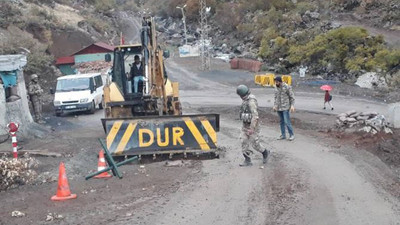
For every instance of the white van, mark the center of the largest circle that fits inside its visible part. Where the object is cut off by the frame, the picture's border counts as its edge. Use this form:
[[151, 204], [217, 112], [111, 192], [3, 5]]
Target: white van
[[81, 92]]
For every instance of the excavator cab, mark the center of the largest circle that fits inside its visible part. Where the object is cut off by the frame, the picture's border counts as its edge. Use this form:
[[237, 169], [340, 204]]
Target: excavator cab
[[124, 60]]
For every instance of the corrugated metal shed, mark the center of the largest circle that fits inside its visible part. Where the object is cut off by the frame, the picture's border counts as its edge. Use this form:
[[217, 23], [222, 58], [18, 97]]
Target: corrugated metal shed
[[12, 62]]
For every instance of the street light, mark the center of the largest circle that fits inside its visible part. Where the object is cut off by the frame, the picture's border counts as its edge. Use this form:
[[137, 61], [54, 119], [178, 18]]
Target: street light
[[184, 21]]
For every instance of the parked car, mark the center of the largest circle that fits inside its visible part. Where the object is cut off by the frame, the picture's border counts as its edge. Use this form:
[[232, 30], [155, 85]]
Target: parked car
[[82, 92]]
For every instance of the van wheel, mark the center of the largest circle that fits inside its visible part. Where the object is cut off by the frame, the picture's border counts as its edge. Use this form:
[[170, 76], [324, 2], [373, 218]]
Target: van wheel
[[93, 108], [101, 105], [58, 114]]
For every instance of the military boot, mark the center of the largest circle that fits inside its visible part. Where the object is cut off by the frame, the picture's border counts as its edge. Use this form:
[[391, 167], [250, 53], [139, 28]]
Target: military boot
[[247, 161], [265, 156]]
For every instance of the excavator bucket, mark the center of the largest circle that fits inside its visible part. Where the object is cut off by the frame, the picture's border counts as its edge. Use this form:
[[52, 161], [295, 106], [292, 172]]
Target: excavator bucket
[[162, 135]]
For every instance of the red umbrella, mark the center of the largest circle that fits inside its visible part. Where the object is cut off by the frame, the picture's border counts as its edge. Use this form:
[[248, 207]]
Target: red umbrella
[[326, 88]]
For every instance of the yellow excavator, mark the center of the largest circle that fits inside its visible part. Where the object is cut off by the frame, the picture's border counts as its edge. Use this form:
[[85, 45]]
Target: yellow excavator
[[150, 120]]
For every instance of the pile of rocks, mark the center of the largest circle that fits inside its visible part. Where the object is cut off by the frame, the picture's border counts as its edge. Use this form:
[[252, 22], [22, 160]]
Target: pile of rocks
[[93, 67], [14, 172], [369, 122]]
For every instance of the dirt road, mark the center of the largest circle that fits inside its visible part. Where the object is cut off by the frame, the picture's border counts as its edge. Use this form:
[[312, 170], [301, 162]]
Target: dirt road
[[198, 87], [305, 182]]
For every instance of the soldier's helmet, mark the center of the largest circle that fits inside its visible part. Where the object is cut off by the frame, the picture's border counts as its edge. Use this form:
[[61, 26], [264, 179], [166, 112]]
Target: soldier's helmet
[[242, 90], [34, 76]]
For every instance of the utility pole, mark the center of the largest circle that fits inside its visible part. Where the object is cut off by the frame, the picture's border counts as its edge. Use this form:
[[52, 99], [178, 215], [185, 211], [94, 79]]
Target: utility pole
[[184, 21], [204, 49]]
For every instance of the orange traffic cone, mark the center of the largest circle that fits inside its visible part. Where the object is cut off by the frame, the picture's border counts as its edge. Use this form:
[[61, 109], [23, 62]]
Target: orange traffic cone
[[63, 192], [101, 166]]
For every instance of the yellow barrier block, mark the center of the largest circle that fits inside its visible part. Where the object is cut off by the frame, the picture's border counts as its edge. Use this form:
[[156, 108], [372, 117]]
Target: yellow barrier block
[[270, 79], [267, 80], [264, 80], [287, 79], [257, 79]]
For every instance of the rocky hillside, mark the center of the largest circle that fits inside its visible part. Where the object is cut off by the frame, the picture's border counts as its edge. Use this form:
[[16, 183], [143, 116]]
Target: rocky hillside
[[48, 29], [337, 39]]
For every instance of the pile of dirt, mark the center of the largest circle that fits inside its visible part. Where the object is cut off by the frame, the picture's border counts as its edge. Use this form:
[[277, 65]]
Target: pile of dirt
[[15, 172], [385, 146]]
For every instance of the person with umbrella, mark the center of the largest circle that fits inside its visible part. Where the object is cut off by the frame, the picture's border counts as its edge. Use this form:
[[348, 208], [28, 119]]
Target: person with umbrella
[[328, 96]]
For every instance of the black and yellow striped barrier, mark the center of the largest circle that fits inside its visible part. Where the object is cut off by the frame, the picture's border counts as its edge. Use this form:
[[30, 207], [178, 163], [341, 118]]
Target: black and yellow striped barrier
[[159, 135]]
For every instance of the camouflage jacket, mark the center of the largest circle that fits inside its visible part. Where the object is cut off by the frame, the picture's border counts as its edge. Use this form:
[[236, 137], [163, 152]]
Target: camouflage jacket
[[284, 97], [249, 113], [34, 89]]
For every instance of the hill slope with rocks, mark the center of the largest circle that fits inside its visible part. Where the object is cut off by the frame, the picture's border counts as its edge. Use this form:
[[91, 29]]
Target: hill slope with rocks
[[353, 37], [284, 34]]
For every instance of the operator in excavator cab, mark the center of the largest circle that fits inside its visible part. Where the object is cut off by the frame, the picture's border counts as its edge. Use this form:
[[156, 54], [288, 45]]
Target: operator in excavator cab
[[136, 73], [250, 127]]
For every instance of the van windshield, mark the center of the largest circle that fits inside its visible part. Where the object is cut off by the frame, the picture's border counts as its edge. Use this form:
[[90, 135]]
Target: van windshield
[[74, 84]]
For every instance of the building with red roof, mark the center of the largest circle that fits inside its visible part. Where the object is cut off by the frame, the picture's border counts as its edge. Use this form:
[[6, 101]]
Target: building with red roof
[[91, 53]]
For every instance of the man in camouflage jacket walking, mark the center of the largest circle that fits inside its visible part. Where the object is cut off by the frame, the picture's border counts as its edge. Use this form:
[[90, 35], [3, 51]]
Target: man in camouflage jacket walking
[[250, 126], [284, 101]]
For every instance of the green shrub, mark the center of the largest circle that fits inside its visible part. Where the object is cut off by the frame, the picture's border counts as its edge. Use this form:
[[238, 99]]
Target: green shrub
[[268, 35], [257, 5], [274, 49], [10, 14], [388, 59], [283, 5], [38, 62], [265, 5], [273, 18], [245, 29], [303, 7], [41, 17], [346, 49]]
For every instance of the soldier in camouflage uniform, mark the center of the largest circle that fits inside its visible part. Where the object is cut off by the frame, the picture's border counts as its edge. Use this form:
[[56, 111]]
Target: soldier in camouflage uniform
[[284, 103], [35, 93], [250, 128]]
